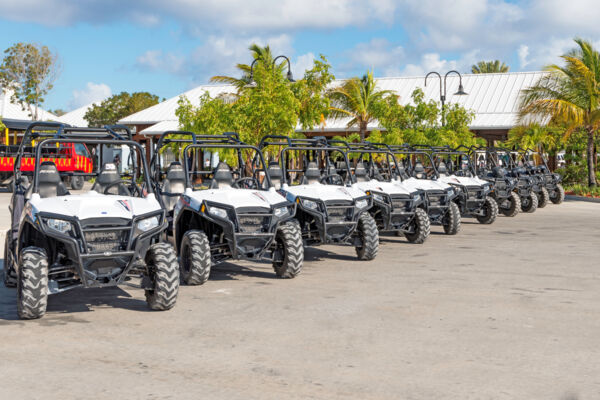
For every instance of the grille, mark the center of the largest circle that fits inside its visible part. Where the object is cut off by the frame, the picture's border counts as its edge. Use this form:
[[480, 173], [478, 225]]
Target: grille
[[474, 193], [106, 241], [339, 211], [436, 199], [253, 223], [401, 203]]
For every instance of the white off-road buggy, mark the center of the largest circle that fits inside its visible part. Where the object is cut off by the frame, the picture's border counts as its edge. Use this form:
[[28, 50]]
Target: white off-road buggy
[[474, 194], [227, 211], [417, 171], [331, 210], [396, 207], [107, 236]]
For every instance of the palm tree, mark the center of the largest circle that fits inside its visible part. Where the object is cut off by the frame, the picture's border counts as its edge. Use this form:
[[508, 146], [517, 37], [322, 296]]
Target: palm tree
[[489, 67], [358, 99], [543, 139], [569, 95]]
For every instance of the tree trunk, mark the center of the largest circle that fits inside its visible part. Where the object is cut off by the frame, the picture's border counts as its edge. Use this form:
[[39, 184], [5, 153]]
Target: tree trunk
[[362, 130], [590, 158]]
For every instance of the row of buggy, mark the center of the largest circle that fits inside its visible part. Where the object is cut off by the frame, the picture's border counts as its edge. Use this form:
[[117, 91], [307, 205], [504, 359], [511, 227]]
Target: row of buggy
[[206, 199]]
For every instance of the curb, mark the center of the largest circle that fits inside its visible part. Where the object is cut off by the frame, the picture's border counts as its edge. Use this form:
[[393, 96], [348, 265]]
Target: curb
[[582, 198]]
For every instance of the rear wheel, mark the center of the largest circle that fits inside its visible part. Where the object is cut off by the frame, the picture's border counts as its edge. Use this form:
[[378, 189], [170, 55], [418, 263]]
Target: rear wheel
[[530, 203], [32, 283], [162, 264], [490, 211], [452, 220], [77, 182], [421, 227], [543, 198], [9, 278], [560, 195], [369, 237], [195, 258], [514, 205], [289, 249]]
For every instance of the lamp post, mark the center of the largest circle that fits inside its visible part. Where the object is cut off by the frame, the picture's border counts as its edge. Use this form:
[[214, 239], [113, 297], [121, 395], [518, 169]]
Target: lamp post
[[289, 75], [460, 92]]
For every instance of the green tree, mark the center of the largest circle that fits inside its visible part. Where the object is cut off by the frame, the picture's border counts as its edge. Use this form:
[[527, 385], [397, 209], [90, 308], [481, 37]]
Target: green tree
[[118, 106], [489, 67], [29, 71], [543, 139], [58, 112], [262, 55], [569, 95], [359, 99]]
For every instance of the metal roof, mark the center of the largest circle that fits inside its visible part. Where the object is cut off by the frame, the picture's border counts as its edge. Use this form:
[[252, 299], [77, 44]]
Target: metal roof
[[493, 98], [75, 117], [14, 111]]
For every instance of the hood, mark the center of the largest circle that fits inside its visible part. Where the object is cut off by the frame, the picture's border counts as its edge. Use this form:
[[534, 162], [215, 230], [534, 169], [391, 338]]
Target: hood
[[236, 197], [323, 192], [95, 205], [425, 184], [462, 180], [389, 188]]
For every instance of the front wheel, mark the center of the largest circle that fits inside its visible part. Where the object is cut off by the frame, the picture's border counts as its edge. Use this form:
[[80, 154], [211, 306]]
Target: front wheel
[[161, 260], [9, 278], [289, 251], [77, 182], [514, 205], [560, 195], [543, 198], [369, 237], [195, 258], [530, 203], [32, 283], [421, 227], [452, 220], [490, 211]]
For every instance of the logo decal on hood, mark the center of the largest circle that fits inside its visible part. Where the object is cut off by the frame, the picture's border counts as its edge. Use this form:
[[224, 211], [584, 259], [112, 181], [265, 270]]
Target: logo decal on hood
[[260, 196], [125, 204], [344, 191]]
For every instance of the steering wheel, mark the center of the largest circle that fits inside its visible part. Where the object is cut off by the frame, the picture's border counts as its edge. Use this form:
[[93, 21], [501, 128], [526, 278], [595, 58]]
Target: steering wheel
[[332, 179], [125, 188], [246, 183]]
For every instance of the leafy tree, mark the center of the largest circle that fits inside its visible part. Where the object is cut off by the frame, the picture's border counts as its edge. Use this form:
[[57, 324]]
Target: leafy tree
[[118, 106], [544, 139], [489, 67], [29, 71], [2, 126], [569, 95], [359, 99], [58, 112], [262, 55]]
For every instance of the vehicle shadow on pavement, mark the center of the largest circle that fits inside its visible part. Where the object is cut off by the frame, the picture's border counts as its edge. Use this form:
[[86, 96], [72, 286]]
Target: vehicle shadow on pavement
[[318, 254], [230, 271]]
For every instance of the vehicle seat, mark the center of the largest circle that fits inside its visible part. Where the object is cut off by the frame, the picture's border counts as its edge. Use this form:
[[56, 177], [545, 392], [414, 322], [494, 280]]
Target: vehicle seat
[[109, 176], [312, 174], [50, 183], [419, 170], [222, 177], [276, 174], [173, 185], [442, 168], [360, 173]]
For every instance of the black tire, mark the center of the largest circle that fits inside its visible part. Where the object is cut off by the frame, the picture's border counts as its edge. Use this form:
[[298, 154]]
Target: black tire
[[560, 197], [9, 277], [77, 182], [288, 240], [11, 185], [422, 226], [195, 258], [32, 286], [452, 220], [514, 205], [161, 260], [490, 209], [369, 236], [531, 204], [543, 198]]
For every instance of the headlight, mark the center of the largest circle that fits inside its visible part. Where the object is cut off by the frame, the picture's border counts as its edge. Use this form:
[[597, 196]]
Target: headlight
[[450, 192], [148, 223], [362, 203], [310, 204], [218, 212], [378, 197], [59, 225], [281, 212], [416, 198]]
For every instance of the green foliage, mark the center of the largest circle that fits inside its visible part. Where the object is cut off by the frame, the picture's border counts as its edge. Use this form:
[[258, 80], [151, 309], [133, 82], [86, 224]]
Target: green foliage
[[310, 91], [583, 190], [419, 122], [2, 126], [58, 112], [29, 70], [489, 67], [118, 106], [543, 138]]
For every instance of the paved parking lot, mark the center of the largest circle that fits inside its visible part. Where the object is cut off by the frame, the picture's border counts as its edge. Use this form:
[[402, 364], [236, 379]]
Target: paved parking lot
[[508, 311]]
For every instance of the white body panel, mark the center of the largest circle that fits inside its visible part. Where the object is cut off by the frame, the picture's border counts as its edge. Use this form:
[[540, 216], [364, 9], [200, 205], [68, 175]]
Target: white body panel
[[233, 197], [390, 188], [323, 192], [425, 184], [462, 180]]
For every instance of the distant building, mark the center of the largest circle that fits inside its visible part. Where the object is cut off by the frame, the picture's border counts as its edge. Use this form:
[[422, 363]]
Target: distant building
[[16, 119], [492, 97], [75, 117]]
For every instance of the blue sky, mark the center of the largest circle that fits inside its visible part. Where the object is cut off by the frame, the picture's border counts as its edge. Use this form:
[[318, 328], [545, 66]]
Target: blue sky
[[109, 46]]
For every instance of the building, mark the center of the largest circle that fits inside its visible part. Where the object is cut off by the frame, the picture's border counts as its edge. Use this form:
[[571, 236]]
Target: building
[[492, 97], [16, 119], [75, 117]]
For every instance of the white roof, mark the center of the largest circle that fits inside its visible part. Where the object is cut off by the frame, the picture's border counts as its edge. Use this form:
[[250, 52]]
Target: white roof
[[161, 127], [75, 117], [493, 98], [11, 110]]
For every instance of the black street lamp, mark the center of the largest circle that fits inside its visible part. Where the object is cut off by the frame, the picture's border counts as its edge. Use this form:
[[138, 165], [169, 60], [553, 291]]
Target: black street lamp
[[289, 75], [460, 92]]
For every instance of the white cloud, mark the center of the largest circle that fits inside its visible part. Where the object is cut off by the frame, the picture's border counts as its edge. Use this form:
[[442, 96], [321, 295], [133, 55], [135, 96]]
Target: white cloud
[[434, 62], [158, 61], [301, 64], [378, 54], [91, 93], [523, 53]]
